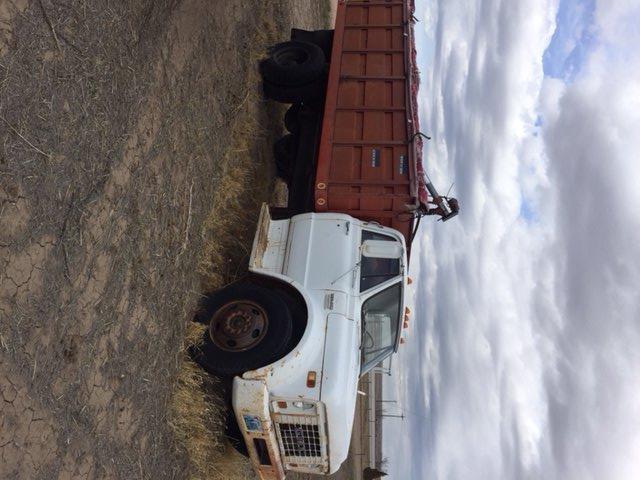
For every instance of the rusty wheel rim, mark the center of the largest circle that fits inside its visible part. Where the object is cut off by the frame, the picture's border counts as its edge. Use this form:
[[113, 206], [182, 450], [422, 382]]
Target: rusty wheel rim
[[239, 325]]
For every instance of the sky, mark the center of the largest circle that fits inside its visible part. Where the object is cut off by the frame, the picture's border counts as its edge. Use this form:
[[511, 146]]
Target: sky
[[523, 354]]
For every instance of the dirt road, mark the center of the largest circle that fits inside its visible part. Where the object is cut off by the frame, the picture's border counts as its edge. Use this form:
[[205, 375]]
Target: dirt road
[[134, 152]]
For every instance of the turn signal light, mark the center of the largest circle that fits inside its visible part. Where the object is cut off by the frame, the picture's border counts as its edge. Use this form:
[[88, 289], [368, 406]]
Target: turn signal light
[[282, 404], [406, 324], [311, 379], [407, 311], [409, 280]]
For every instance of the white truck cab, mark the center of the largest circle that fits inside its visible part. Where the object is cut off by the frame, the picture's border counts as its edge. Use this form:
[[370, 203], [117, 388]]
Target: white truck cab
[[296, 413]]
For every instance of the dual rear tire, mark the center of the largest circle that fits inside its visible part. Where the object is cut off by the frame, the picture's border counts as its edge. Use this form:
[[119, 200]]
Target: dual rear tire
[[294, 72], [284, 153]]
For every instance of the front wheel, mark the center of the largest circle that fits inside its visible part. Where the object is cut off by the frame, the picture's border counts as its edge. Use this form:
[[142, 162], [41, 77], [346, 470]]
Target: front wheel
[[248, 327]]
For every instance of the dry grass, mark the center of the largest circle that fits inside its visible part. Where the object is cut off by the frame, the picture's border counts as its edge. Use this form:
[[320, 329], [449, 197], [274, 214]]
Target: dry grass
[[246, 181], [246, 178], [198, 418], [195, 415]]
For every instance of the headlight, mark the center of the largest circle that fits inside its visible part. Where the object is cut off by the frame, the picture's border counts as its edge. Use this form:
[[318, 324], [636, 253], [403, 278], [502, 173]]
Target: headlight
[[304, 405]]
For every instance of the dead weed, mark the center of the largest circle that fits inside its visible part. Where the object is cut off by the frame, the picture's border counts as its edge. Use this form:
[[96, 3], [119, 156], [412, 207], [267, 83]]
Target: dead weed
[[245, 181], [198, 420]]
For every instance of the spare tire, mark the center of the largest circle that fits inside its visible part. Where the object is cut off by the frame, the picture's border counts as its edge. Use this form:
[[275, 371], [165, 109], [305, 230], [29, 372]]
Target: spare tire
[[293, 64]]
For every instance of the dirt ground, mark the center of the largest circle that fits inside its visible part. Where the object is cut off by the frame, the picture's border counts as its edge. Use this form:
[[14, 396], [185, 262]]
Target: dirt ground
[[134, 154]]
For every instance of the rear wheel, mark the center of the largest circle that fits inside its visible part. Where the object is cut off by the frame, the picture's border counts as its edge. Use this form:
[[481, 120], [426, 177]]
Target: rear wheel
[[292, 118], [284, 153], [249, 327], [307, 93], [293, 63]]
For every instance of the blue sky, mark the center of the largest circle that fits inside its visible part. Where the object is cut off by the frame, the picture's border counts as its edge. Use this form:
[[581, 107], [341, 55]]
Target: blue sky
[[571, 41], [523, 360]]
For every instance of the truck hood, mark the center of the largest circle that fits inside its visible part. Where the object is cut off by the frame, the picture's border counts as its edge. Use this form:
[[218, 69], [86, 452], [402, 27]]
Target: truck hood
[[340, 372]]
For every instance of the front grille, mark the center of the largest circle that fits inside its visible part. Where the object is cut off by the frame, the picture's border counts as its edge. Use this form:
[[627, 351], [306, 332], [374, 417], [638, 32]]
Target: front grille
[[302, 440]]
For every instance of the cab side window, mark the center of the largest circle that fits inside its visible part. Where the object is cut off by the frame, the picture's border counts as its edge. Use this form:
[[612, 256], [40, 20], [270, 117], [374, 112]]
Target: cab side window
[[374, 271]]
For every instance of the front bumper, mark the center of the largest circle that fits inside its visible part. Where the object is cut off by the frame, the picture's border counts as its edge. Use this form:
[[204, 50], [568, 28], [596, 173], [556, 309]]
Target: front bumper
[[294, 436], [251, 407]]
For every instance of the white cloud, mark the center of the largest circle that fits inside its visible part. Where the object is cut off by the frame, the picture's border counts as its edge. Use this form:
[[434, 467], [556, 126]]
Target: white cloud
[[527, 340], [592, 146]]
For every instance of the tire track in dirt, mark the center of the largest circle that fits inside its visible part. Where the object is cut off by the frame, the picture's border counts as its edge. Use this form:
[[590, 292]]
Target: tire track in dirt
[[133, 316], [84, 377], [8, 10], [27, 435]]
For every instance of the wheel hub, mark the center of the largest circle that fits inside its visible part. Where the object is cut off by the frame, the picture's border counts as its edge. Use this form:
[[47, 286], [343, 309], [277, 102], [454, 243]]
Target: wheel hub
[[238, 326]]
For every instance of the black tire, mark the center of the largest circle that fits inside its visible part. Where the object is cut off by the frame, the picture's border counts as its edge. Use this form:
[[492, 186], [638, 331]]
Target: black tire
[[309, 93], [322, 38], [293, 63], [234, 435], [282, 213], [273, 340], [284, 153], [297, 309], [292, 118]]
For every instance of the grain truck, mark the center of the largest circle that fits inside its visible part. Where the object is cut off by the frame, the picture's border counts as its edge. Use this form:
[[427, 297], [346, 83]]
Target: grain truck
[[324, 301]]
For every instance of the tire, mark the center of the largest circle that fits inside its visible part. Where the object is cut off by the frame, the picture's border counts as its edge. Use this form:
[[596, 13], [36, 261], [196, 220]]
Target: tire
[[292, 118], [284, 153], [322, 38], [234, 435], [308, 93], [293, 63], [297, 309], [282, 213], [249, 327]]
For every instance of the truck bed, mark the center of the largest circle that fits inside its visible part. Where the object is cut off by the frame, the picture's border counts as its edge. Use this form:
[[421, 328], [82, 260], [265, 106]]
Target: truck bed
[[368, 161]]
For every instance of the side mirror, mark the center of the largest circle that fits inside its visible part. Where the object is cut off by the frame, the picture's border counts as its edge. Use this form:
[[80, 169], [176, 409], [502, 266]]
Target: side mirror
[[381, 249]]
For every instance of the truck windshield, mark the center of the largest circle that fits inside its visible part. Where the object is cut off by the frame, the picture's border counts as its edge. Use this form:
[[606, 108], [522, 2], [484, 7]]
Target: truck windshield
[[374, 271], [380, 319]]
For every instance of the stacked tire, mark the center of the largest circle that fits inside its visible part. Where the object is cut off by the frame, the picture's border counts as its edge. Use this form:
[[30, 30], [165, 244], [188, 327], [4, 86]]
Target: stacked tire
[[294, 72]]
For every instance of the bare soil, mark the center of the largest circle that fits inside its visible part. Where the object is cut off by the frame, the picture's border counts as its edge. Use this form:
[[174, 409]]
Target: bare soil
[[134, 153]]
